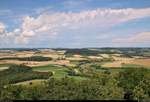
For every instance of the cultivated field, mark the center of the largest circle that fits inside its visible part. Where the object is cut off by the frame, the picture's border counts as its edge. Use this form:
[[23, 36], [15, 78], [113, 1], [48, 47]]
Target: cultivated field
[[74, 63], [119, 61]]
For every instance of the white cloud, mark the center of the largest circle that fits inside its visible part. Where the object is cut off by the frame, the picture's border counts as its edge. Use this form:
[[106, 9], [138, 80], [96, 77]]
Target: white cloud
[[17, 30], [8, 38], [48, 25], [136, 38], [52, 23], [2, 28]]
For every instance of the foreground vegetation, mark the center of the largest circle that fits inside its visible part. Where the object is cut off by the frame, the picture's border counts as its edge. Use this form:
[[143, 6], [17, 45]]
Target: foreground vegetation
[[131, 83]]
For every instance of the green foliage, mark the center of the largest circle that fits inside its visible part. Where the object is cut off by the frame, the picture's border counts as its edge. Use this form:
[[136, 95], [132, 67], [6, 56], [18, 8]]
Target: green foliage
[[19, 68], [132, 76], [32, 58], [69, 89], [36, 58], [129, 78], [130, 83], [66, 89], [74, 72], [18, 73], [142, 90], [84, 52], [59, 71]]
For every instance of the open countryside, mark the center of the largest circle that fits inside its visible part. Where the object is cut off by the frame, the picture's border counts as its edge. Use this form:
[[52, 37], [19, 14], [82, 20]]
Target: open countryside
[[75, 50], [23, 68]]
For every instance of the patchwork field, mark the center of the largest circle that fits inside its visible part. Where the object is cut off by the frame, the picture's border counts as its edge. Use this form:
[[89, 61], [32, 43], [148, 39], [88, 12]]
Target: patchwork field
[[73, 63]]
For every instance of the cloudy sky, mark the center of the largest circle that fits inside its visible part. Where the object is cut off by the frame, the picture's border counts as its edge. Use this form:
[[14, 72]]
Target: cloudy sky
[[74, 23]]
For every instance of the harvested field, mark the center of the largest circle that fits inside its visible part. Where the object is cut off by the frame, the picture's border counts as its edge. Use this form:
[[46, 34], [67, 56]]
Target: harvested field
[[120, 60], [35, 63], [113, 64], [95, 57], [144, 62], [75, 58], [104, 55], [117, 55], [25, 54]]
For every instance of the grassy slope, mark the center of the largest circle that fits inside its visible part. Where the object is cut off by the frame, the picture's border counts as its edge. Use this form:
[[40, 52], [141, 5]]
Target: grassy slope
[[59, 71], [5, 65], [133, 66]]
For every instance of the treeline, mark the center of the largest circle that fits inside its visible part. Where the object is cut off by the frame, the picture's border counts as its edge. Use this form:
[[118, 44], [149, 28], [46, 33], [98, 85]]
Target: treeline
[[133, 84], [84, 52], [19, 73], [32, 58], [126, 52]]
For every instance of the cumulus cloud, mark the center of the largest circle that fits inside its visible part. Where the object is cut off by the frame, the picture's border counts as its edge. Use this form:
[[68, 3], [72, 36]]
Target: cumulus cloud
[[52, 23], [136, 38], [8, 38], [49, 25]]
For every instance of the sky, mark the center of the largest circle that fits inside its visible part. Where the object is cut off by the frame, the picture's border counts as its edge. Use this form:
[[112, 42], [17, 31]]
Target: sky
[[74, 23]]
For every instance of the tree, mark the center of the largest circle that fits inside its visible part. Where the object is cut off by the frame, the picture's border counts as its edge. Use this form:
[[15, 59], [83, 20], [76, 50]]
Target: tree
[[142, 90], [129, 78]]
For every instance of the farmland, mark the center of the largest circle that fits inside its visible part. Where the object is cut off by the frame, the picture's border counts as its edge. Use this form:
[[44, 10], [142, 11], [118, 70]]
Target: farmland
[[44, 67]]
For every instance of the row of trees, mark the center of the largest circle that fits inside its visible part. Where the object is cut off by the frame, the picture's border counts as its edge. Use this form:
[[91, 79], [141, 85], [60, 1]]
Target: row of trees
[[32, 58]]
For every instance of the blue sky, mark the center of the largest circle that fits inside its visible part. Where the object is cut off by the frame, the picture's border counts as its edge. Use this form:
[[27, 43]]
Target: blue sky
[[74, 23]]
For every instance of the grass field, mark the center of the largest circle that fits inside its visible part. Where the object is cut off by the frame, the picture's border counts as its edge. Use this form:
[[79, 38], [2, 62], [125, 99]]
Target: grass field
[[59, 71], [5, 65], [132, 65], [3, 68], [31, 82]]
